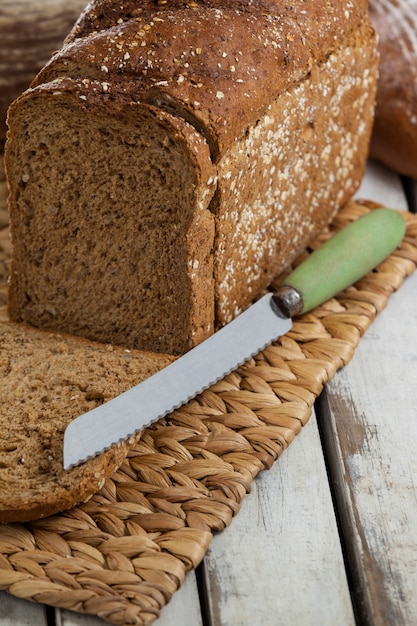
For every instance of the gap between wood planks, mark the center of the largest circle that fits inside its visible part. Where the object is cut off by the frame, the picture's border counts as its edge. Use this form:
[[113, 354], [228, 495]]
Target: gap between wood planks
[[201, 577], [410, 190], [344, 525]]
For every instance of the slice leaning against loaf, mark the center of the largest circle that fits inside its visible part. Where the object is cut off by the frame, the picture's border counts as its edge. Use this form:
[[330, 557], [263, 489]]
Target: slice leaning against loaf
[[47, 380], [174, 156]]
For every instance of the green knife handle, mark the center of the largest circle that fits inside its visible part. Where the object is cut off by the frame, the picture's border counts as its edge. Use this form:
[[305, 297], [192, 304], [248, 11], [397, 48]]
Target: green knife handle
[[341, 261]]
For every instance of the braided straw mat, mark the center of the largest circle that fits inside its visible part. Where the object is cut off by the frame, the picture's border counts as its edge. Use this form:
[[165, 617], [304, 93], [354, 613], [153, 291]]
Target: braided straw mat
[[125, 552]]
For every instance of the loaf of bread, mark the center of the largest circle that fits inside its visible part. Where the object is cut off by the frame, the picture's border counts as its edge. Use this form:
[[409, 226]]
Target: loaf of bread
[[48, 379], [394, 140], [30, 31], [174, 155]]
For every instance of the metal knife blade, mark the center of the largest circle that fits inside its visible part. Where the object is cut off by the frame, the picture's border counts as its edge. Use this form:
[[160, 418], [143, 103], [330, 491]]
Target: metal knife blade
[[345, 258], [177, 383]]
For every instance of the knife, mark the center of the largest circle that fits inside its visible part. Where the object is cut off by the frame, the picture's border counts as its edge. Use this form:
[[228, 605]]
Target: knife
[[342, 260]]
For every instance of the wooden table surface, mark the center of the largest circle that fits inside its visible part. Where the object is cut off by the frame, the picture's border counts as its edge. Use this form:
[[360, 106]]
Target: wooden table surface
[[328, 536]]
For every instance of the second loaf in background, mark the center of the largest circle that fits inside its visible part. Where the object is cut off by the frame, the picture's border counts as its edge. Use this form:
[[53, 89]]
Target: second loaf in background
[[172, 157]]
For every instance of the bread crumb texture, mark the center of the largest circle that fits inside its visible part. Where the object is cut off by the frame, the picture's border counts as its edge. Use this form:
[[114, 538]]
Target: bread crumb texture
[[174, 156], [47, 380]]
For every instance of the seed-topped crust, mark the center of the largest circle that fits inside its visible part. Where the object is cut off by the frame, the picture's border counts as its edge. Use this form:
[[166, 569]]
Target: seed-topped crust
[[171, 54]]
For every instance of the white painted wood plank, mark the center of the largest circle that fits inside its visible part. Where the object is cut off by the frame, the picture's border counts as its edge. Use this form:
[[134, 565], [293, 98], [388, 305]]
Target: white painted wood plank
[[371, 428], [382, 185], [184, 607], [182, 610], [280, 561], [17, 612]]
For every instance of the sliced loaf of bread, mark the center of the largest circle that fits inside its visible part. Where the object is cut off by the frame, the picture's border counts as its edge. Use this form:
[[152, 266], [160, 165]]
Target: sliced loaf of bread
[[173, 156], [46, 380]]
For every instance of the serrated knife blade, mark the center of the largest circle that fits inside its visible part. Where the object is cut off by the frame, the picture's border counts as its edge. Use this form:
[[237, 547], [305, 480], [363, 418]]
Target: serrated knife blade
[[177, 383], [341, 261]]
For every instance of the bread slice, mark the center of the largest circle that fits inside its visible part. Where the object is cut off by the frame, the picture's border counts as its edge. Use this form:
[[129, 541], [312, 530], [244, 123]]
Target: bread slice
[[174, 156], [48, 379], [112, 198]]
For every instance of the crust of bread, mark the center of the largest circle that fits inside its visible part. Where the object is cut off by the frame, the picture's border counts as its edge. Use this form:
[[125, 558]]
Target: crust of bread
[[217, 63]]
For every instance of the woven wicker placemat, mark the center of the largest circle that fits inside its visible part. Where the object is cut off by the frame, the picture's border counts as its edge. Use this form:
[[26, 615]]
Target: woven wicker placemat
[[125, 552]]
